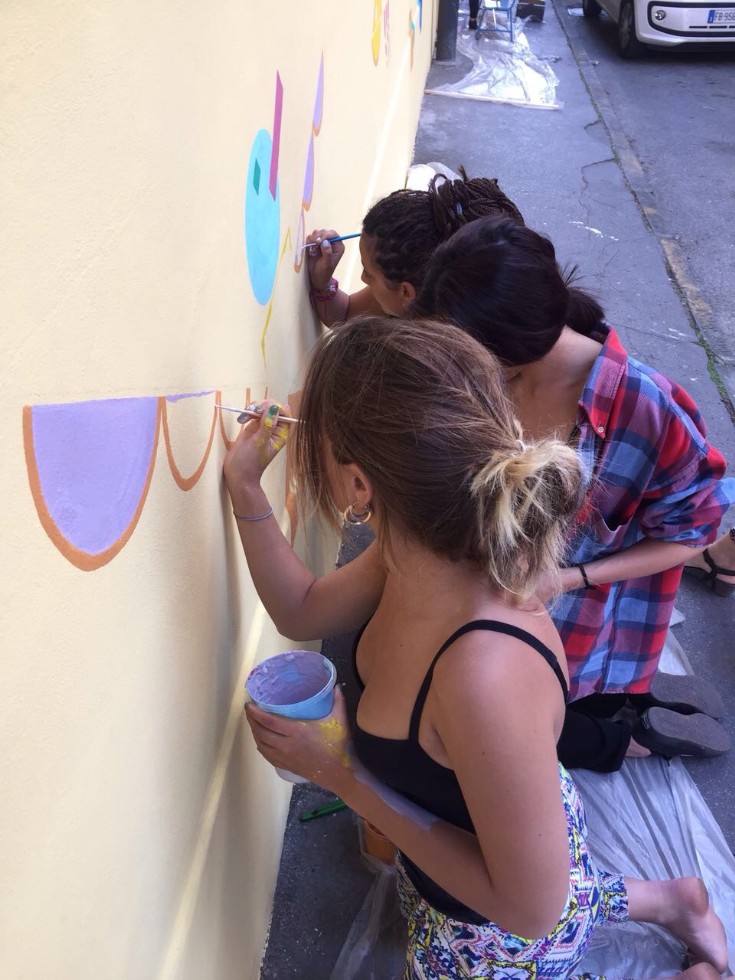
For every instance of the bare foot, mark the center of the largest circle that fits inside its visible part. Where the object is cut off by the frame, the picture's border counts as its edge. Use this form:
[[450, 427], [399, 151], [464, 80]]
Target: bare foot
[[692, 919], [702, 971], [636, 751]]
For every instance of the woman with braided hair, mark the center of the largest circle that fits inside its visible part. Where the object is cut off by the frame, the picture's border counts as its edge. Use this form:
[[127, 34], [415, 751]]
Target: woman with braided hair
[[399, 236]]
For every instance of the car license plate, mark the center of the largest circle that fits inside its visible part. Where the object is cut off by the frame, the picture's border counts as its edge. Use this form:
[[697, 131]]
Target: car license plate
[[721, 17]]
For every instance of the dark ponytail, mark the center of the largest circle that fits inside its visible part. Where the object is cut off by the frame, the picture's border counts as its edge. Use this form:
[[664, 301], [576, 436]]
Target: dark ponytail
[[500, 282]]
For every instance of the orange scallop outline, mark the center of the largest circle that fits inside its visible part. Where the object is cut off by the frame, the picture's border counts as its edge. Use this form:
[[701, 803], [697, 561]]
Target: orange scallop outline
[[80, 559], [229, 443], [185, 482]]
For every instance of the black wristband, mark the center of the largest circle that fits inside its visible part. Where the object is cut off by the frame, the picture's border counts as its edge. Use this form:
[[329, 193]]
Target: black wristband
[[583, 572]]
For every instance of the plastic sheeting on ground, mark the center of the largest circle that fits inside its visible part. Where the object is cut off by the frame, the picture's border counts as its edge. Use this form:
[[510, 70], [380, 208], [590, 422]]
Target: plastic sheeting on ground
[[647, 821], [503, 72]]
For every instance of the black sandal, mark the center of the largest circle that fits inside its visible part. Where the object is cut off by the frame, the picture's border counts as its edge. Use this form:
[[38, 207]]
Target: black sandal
[[668, 733], [710, 577]]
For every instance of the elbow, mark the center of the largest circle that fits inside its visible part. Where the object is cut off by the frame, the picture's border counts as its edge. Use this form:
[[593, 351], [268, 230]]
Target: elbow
[[294, 631], [536, 914], [532, 924]]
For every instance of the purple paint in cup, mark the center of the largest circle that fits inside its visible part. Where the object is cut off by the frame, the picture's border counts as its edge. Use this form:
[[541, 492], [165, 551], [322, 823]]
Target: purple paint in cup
[[295, 684]]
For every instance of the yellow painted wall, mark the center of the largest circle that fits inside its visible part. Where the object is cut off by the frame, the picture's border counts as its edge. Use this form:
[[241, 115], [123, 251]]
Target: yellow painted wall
[[140, 832]]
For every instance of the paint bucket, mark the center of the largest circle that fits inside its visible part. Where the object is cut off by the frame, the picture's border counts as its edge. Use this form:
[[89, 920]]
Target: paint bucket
[[376, 844], [295, 684]]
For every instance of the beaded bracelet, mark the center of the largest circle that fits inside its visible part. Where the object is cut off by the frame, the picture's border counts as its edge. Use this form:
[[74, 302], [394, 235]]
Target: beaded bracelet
[[260, 517], [326, 294]]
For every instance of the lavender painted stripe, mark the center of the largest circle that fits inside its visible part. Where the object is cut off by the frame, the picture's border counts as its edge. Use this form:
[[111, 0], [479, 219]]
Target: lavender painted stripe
[[93, 460], [319, 101], [309, 176], [191, 394]]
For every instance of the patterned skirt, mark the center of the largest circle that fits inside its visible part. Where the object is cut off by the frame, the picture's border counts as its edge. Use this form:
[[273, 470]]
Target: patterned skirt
[[442, 948]]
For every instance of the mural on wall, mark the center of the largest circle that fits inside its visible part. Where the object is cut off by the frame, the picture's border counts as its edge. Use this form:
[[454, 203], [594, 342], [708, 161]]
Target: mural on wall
[[308, 191], [415, 19], [381, 21], [386, 29], [262, 205], [90, 465], [377, 20]]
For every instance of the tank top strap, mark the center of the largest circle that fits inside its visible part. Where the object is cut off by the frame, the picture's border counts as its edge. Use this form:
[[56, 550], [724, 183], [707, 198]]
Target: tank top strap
[[492, 626]]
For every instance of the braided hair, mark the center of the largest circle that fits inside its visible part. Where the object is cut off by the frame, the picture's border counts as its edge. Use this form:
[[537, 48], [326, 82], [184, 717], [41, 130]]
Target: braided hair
[[408, 225]]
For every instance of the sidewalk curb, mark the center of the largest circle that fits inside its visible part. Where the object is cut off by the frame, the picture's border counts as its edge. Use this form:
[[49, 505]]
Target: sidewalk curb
[[698, 311]]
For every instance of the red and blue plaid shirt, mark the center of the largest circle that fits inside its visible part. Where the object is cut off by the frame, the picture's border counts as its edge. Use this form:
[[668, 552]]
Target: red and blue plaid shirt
[[652, 474]]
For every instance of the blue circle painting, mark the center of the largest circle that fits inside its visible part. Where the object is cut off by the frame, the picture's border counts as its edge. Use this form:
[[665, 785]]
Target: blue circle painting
[[262, 218]]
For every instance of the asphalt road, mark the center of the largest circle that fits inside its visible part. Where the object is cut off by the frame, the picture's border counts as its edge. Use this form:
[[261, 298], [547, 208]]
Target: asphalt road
[[671, 116]]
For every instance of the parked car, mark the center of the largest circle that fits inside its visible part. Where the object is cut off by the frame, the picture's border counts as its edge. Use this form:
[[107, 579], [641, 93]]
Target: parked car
[[664, 23]]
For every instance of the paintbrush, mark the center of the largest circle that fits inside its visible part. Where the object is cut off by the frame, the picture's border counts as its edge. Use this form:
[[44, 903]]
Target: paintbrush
[[245, 414], [339, 238]]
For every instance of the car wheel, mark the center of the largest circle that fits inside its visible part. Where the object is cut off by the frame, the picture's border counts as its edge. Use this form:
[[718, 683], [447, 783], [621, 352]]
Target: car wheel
[[628, 44], [591, 8]]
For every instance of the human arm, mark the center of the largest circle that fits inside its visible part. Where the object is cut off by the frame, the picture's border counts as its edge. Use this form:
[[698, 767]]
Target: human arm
[[661, 479], [302, 605], [515, 870], [322, 259], [638, 561]]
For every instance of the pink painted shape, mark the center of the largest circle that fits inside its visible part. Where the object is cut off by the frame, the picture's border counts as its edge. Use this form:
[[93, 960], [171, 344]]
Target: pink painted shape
[[319, 101], [276, 136], [191, 394]]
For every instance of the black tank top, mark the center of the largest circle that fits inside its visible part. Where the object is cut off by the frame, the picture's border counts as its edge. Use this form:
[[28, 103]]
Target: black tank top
[[403, 765]]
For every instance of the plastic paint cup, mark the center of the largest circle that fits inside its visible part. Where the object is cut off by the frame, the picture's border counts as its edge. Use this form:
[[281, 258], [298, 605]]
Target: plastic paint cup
[[295, 684]]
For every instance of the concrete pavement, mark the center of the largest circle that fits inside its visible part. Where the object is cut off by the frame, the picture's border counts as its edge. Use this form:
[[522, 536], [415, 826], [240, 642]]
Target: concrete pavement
[[569, 171]]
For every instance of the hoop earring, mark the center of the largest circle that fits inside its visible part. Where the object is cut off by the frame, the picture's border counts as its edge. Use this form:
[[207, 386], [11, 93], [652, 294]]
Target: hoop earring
[[355, 520]]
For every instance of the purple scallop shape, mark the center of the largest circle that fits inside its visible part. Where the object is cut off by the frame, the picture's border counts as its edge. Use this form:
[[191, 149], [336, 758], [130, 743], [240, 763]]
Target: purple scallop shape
[[319, 100], [309, 176], [93, 460]]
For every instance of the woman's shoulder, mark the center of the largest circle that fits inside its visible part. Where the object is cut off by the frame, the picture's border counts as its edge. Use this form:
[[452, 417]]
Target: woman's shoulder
[[506, 642], [627, 397]]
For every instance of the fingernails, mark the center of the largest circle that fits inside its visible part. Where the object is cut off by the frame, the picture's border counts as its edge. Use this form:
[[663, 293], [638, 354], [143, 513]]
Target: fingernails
[[270, 416]]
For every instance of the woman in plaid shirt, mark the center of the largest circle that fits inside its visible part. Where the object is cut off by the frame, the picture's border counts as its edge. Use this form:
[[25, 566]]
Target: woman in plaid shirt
[[655, 487]]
